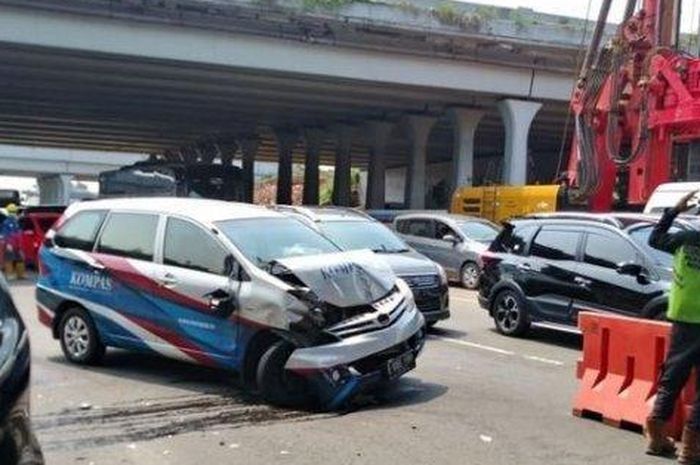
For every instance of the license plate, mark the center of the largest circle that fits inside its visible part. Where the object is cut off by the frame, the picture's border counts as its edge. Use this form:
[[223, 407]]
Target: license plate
[[397, 366]]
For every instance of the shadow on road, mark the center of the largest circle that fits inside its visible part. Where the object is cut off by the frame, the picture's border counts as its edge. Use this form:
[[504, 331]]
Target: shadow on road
[[447, 332], [404, 392], [154, 369]]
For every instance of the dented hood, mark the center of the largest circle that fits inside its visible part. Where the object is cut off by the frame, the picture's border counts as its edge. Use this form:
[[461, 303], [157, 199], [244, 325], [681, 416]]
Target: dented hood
[[344, 279]]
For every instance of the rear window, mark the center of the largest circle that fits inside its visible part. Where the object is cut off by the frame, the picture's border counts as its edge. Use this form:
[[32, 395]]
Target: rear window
[[513, 239], [79, 231], [129, 235]]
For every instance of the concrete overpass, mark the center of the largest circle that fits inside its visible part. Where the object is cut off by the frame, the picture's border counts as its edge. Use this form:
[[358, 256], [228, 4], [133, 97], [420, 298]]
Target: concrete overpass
[[374, 85], [55, 168]]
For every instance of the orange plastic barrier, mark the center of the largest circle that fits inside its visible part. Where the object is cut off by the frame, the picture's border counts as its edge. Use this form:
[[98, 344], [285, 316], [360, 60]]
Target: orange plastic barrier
[[622, 360]]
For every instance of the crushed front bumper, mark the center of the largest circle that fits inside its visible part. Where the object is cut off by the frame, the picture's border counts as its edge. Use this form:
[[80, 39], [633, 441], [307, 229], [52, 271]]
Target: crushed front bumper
[[340, 370]]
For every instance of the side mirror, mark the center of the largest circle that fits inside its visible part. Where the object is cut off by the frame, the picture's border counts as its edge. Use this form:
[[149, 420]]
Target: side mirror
[[636, 270], [222, 304], [450, 238], [630, 269]]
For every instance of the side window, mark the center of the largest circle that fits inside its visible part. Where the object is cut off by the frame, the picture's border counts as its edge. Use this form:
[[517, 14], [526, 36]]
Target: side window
[[608, 251], [555, 244], [513, 239], [208, 256], [442, 230], [401, 226], [641, 237], [79, 231], [420, 228], [129, 235]]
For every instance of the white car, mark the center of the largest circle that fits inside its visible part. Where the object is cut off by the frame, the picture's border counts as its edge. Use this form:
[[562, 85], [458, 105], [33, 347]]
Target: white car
[[227, 285]]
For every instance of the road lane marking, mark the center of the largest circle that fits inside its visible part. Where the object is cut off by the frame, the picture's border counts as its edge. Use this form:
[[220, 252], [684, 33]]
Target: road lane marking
[[474, 345], [497, 350], [544, 360]]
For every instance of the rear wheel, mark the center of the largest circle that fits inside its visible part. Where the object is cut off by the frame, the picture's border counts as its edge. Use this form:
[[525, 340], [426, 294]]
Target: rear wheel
[[510, 314], [469, 276], [80, 340], [277, 385]]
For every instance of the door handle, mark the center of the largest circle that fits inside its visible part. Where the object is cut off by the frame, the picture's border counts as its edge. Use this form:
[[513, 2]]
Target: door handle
[[525, 267], [168, 280], [583, 282]]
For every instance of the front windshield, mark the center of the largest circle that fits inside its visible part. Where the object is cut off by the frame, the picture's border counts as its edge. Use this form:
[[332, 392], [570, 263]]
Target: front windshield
[[478, 231], [355, 235], [263, 240]]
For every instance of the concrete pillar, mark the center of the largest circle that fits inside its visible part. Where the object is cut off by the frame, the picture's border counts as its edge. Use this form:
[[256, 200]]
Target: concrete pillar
[[343, 164], [419, 127], [54, 189], [249, 148], [313, 139], [286, 141], [465, 121], [517, 117], [379, 135]]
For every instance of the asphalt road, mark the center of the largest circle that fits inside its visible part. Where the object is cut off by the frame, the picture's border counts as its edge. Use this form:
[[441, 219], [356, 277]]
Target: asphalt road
[[476, 397]]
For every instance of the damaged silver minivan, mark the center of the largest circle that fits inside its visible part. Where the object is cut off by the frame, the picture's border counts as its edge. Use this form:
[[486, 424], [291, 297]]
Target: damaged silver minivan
[[227, 285]]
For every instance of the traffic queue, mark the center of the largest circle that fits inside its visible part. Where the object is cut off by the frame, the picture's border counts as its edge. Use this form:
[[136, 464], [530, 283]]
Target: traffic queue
[[312, 306]]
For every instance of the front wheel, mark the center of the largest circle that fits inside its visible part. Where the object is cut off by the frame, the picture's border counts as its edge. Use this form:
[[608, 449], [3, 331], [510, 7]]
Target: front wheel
[[277, 385], [510, 314], [469, 276], [80, 340]]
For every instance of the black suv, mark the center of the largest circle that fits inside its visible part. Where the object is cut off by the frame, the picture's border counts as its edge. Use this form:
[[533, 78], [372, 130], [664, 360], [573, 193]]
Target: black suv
[[544, 271]]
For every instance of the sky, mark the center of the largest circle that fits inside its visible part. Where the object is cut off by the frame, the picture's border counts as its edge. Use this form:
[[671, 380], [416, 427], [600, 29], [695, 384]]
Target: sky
[[577, 8]]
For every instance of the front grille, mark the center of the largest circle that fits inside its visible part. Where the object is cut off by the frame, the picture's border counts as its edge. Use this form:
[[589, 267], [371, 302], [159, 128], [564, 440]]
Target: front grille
[[383, 314], [429, 304], [426, 291], [421, 281]]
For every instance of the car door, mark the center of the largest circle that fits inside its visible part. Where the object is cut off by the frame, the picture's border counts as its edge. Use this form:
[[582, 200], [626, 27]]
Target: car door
[[549, 271], [122, 279], [602, 287], [418, 233], [197, 291], [447, 253]]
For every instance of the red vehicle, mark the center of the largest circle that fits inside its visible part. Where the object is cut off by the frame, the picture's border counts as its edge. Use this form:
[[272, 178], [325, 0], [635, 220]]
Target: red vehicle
[[35, 221], [635, 98]]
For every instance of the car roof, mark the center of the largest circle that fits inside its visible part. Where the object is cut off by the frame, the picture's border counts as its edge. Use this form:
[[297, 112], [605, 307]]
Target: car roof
[[325, 214], [553, 221], [203, 210], [622, 220], [439, 215]]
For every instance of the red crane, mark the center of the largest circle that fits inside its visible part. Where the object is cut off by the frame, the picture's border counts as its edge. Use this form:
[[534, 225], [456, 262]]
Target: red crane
[[635, 97]]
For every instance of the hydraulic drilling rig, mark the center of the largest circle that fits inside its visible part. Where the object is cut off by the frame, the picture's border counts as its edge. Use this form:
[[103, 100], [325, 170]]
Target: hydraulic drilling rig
[[635, 98]]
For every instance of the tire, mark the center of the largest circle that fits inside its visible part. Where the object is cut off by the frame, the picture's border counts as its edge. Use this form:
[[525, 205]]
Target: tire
[[277, 385], [510, 314], [469, 275], [431, 324], [79, 338]]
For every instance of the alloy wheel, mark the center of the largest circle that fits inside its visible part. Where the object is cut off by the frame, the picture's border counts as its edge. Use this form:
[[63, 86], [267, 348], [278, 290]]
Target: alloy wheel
[[76, 336]]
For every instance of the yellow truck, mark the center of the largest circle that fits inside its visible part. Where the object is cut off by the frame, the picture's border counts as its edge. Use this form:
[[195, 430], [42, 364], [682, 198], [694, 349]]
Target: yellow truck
[[498, 203]]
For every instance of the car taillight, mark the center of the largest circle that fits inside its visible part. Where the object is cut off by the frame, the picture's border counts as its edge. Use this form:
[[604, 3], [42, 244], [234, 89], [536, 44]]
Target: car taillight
[[488, 259]]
